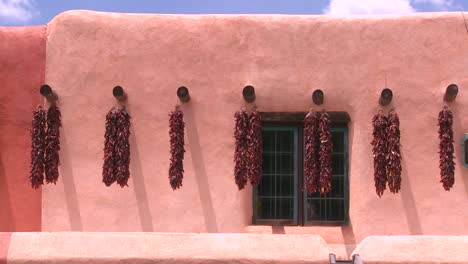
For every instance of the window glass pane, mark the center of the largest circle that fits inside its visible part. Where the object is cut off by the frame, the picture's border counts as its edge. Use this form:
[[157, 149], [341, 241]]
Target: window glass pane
[[337, 190], [276, 196], [268, 140], [268, 163], [285, 185], [331, 207], [335, 210], [285, 163], [338, 141], [285, 141], [285, 208], [338, 164], [265, 208], [266, 186], [313, 209]]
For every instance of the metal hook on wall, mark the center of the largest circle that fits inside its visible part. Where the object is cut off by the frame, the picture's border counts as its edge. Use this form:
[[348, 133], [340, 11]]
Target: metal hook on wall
[[48, 93]]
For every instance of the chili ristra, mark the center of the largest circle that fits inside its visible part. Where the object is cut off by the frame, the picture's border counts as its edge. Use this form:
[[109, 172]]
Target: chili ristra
[[325, 152], [255, 147], [393, 152], [52, 144], [379, 150], [312, 149], [38, 135], [446, 149], [176, 134], [241, 151]]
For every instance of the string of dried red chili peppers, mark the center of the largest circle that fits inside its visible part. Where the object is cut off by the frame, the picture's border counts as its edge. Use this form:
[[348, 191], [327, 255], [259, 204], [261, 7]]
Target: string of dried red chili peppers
[[241, 152], [393, 152], [255, 147], [110, 159], [38, 135], [52, 144], [312, 148], [176, 133], [122, 147], [446, 149], [379, 149], [326, 152]]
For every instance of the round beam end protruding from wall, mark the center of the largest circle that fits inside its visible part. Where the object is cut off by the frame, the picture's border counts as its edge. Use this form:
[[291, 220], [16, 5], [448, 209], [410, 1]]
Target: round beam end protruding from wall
[[183, 94], [386, 97], [48, 93], [248, 93], [451, 93], [318, 97], [119, 93]]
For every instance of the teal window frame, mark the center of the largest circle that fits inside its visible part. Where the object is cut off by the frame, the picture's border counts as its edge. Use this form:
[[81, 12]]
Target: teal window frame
[[293, 221], [300, 205], [345, 220]]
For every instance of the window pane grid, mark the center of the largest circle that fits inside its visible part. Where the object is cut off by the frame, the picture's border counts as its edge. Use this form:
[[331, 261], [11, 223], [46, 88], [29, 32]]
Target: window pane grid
[[331, 207], [276, 192], [275, 197]]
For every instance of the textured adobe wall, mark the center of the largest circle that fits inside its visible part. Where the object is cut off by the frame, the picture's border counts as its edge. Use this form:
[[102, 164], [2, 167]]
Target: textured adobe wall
[[285, 58], [22, 71]]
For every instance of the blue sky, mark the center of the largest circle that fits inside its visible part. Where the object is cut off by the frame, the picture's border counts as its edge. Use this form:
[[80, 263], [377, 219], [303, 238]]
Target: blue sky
[[39, 12]]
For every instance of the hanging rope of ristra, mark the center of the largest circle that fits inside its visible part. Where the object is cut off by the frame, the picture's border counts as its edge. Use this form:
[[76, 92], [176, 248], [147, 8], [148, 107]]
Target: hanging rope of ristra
[[52, 144], [241, 157], [122, 147], [255, 147], [393, 152], [326, 153], [446, 149], [379, 150], [109, 169], [312, 148], [38, 135], [176, 134]]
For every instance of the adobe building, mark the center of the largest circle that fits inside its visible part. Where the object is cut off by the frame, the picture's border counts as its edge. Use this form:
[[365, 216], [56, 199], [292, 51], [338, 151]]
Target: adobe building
[[82, 55]]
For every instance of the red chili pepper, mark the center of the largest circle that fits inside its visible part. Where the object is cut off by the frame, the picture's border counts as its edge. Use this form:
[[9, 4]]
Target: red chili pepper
[[241, 152], [38, 136], [255, 147], [379, 150], [122, 147], [176, 133], [312, 149], [326, 152], [446, 153], [110, 159], [393, 152], [52, 144]]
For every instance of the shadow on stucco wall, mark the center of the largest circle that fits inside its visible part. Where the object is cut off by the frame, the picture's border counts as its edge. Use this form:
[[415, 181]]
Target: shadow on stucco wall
[[411, 213], [71, 198], [7, 223], [146, 220], [349, 238], [458, 136], [199, 169]]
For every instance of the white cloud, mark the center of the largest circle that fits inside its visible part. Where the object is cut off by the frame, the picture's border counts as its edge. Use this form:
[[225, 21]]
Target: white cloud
[[365, 7], [21, 11]]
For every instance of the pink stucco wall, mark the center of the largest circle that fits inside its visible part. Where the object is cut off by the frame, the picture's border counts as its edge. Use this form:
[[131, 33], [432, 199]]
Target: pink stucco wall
[[285, 58], [22, 71]]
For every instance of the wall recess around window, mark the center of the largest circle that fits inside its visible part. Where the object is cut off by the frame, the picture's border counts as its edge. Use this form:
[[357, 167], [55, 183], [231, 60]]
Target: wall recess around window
[[280, 198], [465, 150]]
